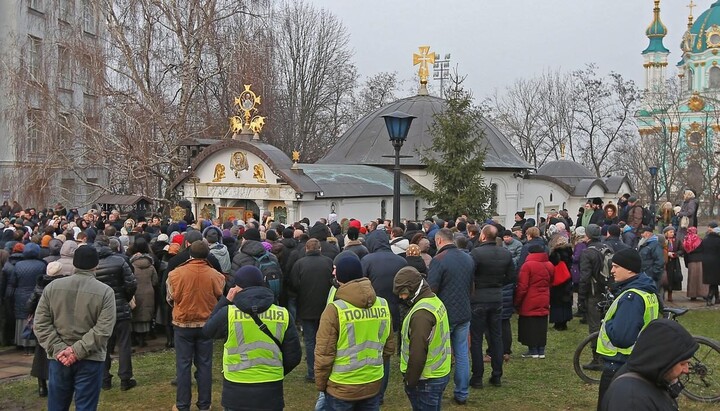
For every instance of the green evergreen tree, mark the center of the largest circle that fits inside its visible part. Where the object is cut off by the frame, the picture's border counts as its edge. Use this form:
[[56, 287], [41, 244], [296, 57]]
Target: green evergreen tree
[[456, 160]]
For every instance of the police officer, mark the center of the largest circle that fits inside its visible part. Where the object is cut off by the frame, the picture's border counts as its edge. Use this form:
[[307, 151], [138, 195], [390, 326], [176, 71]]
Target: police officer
[[261, 343], [634, 307], [353, 341], [425, 350]]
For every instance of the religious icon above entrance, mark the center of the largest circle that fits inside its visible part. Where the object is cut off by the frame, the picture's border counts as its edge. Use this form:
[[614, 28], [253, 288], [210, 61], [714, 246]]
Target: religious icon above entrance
[[259, 173], [219, 174], [238, 163]]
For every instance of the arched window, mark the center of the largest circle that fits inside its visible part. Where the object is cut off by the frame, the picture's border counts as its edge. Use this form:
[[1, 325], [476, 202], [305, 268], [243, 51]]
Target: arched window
[[690, 80], [714, 77], [383, 209]]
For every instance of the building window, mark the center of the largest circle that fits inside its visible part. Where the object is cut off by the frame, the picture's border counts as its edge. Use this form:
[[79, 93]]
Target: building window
[[383, 209], [88, 17], [714, 75], [67, 10], [34, 57], [64, 68], [34, 123], [690, 80]]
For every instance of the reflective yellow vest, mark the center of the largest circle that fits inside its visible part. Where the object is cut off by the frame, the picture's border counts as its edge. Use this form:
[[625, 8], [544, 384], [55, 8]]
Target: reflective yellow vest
[[652, 311], [438, 359], [362, 336], [331, 294], [250, 355]]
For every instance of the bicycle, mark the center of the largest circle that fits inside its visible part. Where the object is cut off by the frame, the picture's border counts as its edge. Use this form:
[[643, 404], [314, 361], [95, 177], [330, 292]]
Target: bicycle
[[700, 384]]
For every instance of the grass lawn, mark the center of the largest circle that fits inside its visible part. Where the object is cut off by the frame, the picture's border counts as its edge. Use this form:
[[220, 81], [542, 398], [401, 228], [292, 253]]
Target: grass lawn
[[549, 384]]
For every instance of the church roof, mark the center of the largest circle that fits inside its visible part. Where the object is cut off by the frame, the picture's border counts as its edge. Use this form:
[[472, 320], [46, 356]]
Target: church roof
[[705, 22], [567, 171], [355, 180], [655, 32], [367, 141]]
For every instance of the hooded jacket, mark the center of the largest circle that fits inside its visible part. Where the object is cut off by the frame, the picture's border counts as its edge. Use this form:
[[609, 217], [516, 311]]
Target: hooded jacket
[[660, 346], [421, 324], [380, 266], [25, 276], [651, 254], [399, 245], [54, 248], [532, 295], [624, 327], [249, 251], [255, 396], [114, 271], [360, 294]]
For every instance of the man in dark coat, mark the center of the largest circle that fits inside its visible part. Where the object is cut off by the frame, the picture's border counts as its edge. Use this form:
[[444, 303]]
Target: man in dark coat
[[613, 239], [711, 264], [380, 266], [494, 268], [114, 271], [589, 290], [250, 249], [651, 253], [451, 278], [650, 378], [312, 278], [598, 214]]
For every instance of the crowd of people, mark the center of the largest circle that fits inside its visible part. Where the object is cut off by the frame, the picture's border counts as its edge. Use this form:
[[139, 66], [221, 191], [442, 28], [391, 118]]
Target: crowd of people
[[355, 293]]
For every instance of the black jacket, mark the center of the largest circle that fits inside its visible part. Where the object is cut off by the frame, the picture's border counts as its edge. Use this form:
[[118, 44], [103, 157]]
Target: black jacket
[[255, 396], [661, 345], [616, 244], [114, 271], [711, 259], [312, 278], [380, 266], [591, 261], [494, 268], [451, 277]]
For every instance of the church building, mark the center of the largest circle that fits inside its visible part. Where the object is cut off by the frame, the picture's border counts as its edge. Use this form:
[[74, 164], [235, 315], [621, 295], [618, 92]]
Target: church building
[[244, 176]]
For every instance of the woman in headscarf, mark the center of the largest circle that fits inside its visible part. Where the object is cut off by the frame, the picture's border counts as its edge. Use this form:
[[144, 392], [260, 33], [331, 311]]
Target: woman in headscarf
[[561, 297], [693, 253]]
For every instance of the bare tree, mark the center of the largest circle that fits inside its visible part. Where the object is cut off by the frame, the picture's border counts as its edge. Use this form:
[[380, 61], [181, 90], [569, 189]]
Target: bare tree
[[377, 91], [314, 75]]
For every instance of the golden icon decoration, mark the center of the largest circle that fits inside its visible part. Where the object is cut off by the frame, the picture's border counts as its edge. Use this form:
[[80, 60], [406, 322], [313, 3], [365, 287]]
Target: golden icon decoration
[[247, 122], [219, 174], [238, 163], [259, 173], [696, 103], [177, 213]]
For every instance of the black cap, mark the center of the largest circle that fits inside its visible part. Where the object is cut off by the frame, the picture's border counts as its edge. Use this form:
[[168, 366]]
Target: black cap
[[85, 258], [629, 259]]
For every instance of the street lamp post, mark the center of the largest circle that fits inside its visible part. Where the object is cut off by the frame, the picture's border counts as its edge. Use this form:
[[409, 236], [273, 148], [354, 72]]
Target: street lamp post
[[653, 174], [398, 125]]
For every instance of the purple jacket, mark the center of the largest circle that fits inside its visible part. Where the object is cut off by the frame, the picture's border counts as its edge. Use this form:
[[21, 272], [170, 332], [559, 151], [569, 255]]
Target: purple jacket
[[575, 269]]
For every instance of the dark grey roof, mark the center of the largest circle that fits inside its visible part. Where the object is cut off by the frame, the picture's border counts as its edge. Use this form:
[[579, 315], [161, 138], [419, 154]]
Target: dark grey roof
[[582, 188], [355, 180], [613, 183], [367, 141], [568, 171]]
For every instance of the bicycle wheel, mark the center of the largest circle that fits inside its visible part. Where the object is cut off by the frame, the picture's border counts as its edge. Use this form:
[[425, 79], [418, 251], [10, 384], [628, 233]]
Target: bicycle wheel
[[703, 381], [587, 369]]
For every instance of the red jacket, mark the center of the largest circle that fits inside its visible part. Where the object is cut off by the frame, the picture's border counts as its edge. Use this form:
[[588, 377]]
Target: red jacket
[[532, 296]]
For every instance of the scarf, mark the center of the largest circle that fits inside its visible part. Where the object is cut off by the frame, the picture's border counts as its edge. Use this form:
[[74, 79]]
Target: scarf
[[691, 241]]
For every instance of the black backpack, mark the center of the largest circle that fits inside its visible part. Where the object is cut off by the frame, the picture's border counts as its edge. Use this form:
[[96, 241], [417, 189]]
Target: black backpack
[[647, 218], [272, 274]]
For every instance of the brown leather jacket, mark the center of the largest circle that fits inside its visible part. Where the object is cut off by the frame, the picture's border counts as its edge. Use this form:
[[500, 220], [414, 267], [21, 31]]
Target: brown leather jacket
[[359, 293], [193, 289]]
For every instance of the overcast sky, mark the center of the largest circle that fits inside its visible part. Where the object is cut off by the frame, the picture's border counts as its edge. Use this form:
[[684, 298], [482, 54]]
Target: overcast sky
[[496, 42]]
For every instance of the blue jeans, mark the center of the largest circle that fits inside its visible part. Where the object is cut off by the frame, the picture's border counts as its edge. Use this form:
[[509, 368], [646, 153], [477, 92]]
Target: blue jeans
[[459, 340], [83, 379], [427, 395], [191, 346], [486, 317], [368, 404], [310, 328]]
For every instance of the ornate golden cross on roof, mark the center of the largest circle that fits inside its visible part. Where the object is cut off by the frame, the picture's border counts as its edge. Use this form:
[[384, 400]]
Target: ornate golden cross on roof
[[691, 6], [423, 58]]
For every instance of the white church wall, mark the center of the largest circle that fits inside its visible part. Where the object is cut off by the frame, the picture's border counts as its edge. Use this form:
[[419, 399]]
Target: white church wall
[[540, 196], [222, 160], [360, 208]]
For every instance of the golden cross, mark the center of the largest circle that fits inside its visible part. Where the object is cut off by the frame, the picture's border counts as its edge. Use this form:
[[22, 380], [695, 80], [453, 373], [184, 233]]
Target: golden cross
[[423, 58], [691, 6]]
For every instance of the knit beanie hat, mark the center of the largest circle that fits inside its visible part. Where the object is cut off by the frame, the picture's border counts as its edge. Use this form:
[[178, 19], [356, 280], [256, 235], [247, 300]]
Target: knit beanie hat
[[252, 234], [288, 233], [628, 259], [348, 269], [593, 231], [248, 276], [163, 238], [355, 223], [198, 249], [212, 236], [343, 254], [53, 268], [85, 258]]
